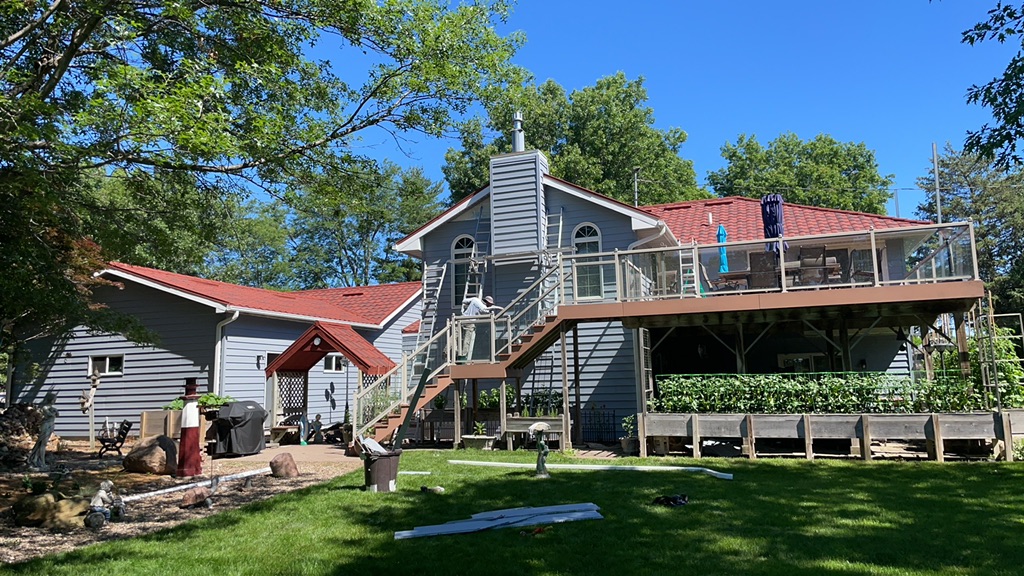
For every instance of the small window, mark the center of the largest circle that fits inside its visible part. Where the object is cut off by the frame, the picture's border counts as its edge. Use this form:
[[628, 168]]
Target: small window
[[803, 363], [335, 363], [107, 365]]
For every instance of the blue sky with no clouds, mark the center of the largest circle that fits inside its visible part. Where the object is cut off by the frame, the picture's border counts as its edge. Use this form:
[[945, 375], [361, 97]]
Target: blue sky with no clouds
[[892, 74]]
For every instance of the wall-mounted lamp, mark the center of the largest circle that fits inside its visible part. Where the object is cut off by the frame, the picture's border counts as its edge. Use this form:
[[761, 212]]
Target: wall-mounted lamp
[[863, 365], [316, 341], [259, 361], [901, 335]]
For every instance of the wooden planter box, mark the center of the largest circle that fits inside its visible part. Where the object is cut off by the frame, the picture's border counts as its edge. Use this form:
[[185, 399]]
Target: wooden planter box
[[934, 429]]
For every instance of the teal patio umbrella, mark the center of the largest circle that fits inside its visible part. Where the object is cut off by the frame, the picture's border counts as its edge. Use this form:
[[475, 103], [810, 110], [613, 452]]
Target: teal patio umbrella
[[723, 236]]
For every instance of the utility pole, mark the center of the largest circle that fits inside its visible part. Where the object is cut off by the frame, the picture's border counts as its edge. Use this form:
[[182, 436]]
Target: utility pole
[[636, 190], [938, 196]]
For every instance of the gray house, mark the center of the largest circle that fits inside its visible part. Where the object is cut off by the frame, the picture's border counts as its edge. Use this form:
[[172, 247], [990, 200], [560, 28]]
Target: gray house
[[223, 334], [600, 296]]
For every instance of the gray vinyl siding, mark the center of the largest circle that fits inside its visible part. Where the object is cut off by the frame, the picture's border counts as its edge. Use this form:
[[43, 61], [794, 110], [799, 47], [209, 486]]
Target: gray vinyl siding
[[518, 217], [152, 376], [247, 342], [389, 339], [437, 250]]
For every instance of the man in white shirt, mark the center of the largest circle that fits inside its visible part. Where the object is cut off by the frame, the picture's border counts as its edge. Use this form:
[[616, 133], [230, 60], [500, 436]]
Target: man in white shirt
[[474, 306]]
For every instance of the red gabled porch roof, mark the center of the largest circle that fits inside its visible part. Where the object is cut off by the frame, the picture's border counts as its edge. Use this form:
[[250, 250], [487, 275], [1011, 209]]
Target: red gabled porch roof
[[303, 354]]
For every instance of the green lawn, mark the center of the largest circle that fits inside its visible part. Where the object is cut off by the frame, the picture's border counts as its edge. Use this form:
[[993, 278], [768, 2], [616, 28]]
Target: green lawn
[[776, 517]]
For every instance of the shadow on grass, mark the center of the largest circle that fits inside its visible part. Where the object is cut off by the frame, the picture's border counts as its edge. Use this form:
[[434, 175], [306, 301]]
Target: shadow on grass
[[776, 517]]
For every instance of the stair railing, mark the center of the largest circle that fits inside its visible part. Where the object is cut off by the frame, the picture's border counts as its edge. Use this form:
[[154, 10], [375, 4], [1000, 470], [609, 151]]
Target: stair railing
[[531, 306], [386, 394]]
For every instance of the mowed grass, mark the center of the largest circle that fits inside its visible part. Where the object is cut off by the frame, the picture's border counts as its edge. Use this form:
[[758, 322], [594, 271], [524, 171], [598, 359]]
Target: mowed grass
[[776, 517]]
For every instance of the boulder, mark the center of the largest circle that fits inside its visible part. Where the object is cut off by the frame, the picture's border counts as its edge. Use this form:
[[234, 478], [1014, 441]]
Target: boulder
[[195, 496], [155, 455], [47, 511], [283, 466]]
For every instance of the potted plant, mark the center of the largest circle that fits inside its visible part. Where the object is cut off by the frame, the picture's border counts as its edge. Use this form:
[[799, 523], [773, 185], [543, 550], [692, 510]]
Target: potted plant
[[630, 442], [479, 439]]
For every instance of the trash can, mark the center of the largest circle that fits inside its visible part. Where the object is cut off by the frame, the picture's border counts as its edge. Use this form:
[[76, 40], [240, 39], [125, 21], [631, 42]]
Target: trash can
[[239, 429], [380, 470]]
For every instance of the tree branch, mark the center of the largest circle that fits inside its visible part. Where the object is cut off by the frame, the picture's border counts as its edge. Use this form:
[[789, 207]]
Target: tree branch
[[31, 25]]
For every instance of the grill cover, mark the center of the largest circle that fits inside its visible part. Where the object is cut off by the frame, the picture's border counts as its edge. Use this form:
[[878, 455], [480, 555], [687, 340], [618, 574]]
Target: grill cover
[[240, 428]]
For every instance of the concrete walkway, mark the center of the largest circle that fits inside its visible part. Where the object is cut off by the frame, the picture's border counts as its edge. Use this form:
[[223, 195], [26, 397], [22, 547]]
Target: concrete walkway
[[312, 453]]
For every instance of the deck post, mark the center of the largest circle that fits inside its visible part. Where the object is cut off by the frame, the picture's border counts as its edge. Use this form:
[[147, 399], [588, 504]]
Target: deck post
[[578, 413], [1006, 434], [741, 350], [937, 444], [565, 442], [457, 405], [502, 417], [844, 344]]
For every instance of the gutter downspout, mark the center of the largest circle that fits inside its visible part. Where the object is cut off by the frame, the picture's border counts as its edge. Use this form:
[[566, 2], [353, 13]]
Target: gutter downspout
[[662, 229], [218, 351]]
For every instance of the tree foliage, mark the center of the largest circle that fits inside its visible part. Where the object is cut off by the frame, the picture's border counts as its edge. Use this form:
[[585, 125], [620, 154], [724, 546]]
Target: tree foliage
[[345, 222], [819, 172], [254, 248], [1003, 95], [594, 137], [186, 103], [974, 188]]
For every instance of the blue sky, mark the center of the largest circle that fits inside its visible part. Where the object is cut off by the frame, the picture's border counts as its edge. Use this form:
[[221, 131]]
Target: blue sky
[[891, 74]]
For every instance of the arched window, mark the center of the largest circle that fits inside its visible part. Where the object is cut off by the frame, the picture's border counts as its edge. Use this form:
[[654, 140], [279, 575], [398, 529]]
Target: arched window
[[586, 239], [462, 251]]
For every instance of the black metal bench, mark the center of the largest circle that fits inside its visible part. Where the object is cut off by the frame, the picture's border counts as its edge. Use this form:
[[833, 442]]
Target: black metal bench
[[116, 441]]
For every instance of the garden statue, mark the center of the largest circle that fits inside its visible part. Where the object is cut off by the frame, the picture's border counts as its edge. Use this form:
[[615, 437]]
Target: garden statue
[[49, 413], [538, 430], [103, 499], [316, 428]]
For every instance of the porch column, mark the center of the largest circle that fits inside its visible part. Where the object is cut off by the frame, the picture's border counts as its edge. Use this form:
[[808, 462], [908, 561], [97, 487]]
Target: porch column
[[844, 344], [741, 350], [566, 440], [578, 414]]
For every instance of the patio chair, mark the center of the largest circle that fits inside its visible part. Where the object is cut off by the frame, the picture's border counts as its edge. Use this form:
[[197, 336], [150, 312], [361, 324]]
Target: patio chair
[[816, 267], [116, 441], [763, 273]]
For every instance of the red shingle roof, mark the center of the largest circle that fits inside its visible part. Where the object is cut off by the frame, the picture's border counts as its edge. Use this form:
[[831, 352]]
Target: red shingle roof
[[304, 353], [412, 328], [368, 305], [741, 216], [374, 302]]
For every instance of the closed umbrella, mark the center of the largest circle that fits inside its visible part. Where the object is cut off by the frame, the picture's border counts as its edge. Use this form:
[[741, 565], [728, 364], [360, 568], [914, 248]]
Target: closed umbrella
[[771, 217], [723, 258]]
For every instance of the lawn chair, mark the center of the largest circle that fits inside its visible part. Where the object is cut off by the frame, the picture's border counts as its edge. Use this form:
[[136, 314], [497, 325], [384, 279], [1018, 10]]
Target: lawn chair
[[116, 441]]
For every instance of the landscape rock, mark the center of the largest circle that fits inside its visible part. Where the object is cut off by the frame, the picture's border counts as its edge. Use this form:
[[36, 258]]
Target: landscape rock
[[154, 455], [283, 466], [47, 511], [195, 496]]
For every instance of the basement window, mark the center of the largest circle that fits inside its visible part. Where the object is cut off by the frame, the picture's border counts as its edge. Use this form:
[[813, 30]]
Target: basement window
[[107, 365]]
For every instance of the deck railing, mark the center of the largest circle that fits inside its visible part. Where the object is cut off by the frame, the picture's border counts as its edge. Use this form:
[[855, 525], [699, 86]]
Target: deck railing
[[930, 253]]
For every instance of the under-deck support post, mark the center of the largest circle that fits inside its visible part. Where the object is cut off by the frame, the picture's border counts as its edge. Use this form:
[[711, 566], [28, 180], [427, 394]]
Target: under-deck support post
[[578, 413], [457, 405], [741, 350], [565, 442], [844, 344]]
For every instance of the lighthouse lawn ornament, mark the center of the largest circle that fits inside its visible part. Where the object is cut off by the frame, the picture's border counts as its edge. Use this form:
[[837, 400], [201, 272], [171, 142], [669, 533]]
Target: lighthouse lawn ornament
[[190, 461]]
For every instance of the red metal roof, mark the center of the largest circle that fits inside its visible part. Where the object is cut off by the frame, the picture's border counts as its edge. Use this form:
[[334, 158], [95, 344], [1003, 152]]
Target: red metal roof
[[412, 328], [368, 305], [303, 354], [374, 302], [741, 216]]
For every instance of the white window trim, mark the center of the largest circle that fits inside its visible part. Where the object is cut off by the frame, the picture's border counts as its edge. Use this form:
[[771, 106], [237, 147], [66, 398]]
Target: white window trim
[[456, 297], [600, 247], [106, 371], [334, 356]]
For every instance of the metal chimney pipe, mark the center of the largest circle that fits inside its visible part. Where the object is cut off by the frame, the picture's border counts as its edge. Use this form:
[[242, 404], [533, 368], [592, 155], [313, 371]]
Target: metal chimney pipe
[[518, 137]]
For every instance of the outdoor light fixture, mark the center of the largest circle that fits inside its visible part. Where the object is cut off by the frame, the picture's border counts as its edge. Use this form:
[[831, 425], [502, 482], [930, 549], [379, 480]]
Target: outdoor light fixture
[[316, 341], [900, 335]]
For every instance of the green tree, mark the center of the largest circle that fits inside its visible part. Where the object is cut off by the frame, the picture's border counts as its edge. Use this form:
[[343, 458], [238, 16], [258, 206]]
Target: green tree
[[253, 248], [974, 188], [345, 222], [1003, 95], [820, 172], [594, 137], [220, 94]]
